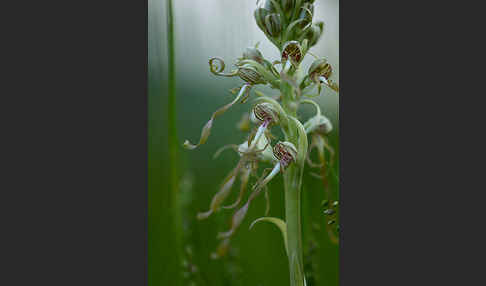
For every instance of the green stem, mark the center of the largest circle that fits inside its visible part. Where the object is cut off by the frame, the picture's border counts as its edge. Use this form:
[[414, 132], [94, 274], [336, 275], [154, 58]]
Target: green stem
[[293, 185], [293, 182], [173, 144]]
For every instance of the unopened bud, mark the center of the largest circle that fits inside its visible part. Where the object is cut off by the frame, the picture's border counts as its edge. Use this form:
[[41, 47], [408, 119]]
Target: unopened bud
[[306, 13], [252, 53], [273, 24], [314, 33], [260, 14], [266, 112], [267, 4], [250, 75], [287, 5]]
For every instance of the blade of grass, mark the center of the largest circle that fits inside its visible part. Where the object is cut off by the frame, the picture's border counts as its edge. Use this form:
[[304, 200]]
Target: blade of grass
[[173, 145]]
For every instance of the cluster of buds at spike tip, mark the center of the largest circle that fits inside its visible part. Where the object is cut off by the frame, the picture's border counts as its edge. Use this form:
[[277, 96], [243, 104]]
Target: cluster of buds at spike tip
[[267, 19], [306, 13], [285, 20], [269, 22], [273, 24]]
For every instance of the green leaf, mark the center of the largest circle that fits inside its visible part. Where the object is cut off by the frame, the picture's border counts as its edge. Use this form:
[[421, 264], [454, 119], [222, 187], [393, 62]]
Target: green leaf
[[279, 223]]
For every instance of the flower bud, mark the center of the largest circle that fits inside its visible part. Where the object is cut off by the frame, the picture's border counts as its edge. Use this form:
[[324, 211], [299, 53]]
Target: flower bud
[[285, 152], [319, 124], [314, 33], [273, 25], [250, 75], [265, 112], [260, 14], [287, 5], [268, 5], [252, 53], [306, 13], [320, 68], [293, 51]]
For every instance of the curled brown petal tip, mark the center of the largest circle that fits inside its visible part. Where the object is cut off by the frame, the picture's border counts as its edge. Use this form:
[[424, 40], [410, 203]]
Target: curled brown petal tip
[[236, 221], [220, 196], [308, 159], [222, 249], [204, 215], [206, 131], [244, 183]]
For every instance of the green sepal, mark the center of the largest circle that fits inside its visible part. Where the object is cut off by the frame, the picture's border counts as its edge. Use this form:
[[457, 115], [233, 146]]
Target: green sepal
[[268, 76]]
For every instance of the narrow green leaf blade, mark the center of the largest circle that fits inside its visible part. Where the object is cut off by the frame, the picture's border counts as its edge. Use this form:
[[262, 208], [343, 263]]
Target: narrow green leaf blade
[[279, 223]]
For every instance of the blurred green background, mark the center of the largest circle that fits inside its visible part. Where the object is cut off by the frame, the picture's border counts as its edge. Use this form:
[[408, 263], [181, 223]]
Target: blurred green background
[[204, 29]]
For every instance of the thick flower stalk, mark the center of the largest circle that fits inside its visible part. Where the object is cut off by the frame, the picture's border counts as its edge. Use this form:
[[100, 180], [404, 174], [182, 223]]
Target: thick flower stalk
[[289, 25]]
